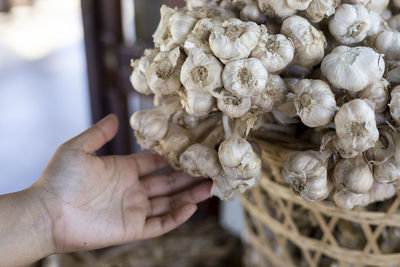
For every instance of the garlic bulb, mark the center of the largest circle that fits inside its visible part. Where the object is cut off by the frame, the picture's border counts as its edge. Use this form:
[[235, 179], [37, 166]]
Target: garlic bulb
[[201, 159], [240, 4], [378, 24], [198, 38], [245, 77], [377, 93], [384, 148], [273, 96], [315, 103], [350, 24], [201, 72], [348, 200], [251, 12], [234, 40], [291, 83], [231, 105], [353, 68], [163, 73], [394, 22], [381, 192], [306, 172], [388, 43], [393, 73], [387, 172], [197, 103], [275, 8], [309, 43], [182, 118], [356, 127], [163, 100], [274, 51], [320, 9], [395, 104], [375, 5], [162, 36], [138, 78], [193, 4], [298, 4], [354, 174]]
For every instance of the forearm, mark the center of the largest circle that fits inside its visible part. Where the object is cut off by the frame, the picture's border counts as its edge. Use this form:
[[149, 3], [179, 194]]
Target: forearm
[[25, 229]]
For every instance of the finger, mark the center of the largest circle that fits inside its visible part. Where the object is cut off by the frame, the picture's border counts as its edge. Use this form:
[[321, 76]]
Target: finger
[[96, 136], [160, 185], [163, 205], [157, 226], [147, 163]]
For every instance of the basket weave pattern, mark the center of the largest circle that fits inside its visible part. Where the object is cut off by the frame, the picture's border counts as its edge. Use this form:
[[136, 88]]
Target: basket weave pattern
[[289, 231]]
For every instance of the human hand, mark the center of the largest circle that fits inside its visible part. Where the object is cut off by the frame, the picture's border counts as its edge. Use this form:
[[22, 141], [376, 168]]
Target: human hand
[[95, 202]]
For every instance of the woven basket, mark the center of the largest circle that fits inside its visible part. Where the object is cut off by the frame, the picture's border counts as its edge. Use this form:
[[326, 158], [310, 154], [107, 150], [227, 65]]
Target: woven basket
[[288, 231]]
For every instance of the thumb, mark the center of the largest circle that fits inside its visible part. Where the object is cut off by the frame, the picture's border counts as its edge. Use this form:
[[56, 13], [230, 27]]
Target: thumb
[[96, 136]]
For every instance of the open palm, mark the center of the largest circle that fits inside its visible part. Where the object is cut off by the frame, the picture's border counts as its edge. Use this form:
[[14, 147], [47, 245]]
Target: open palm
[[95, 202]]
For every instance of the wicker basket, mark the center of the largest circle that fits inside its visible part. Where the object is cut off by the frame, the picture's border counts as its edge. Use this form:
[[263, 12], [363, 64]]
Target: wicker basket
[[288, 231]]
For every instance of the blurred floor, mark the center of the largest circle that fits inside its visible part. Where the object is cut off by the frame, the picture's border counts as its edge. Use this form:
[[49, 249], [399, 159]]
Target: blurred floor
[[43, 88]]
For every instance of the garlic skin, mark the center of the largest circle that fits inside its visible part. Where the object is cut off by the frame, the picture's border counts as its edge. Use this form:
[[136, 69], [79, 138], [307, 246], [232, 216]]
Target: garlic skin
[[394, 22], [231, 105], [306, 172], [198, 38], [320, 9], [245, 77], [193, 4], [275, 8], [381, 192], [348, 200], [201, 72], [138, 78], [387, 172], [350, 24], [353, 68], [197, 103], [354, 174], [315, 103], [378, 93], [395, 104], [291, 83], [272, 97], [309, 43], [356, 126], [388, 42], [234, 40], [375, 5], [274, 51], [385, 147], [251, 12], [298, 4], [163, 73]]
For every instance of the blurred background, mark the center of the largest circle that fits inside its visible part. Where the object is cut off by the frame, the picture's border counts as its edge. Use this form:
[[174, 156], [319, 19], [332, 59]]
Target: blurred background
[[65, 64]]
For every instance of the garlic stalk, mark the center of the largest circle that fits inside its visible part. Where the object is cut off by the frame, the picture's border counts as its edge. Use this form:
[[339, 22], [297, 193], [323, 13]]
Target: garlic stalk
[[234, 40], [138, 78], [178, 139], [163, 73], [274, 51], [251, 12], [377, 92], [231, 105], [348, 200], [275, 8], [197, 103], [309, 43], [354, 175], [395, 104], [388, 42], [350, 24], [320, 9], [356, 126], [306, 172], [201, 72], [273, 96], [245, 77], [315, 103], [353, 68]]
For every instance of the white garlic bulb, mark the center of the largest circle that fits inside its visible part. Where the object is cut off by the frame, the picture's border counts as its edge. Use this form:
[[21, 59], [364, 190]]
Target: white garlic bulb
[[275, 8], [375, 5], [198, 38], [298, 4], [348, 200], [320, 9], [381, 192], [274, 51], [350, 24], [197, 103], [315, 103], [306, 172], [232, 105], [356, 127], [378, 24], [163, 73], [385, 147], [388, 42], [138, 78], [245, 77], [201, 72], [234, 39], [395, 104], [394, 22], [251, 12], [273, 96], [387, 172], [393, 73], [377, 92], [354, 174], [309, 43], [353, 68], [194, 4]]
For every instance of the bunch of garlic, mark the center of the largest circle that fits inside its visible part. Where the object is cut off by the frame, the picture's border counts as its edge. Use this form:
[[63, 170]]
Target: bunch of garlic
[[294, 71]]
